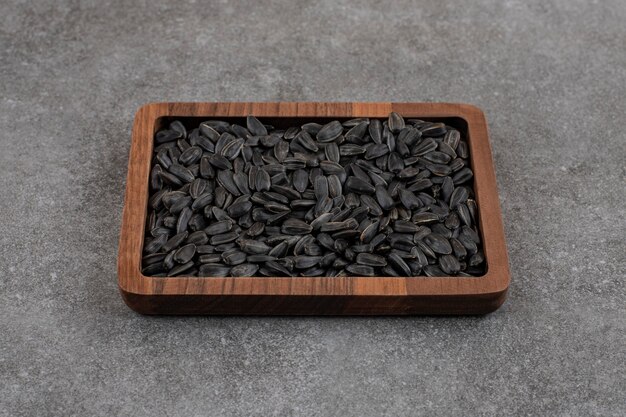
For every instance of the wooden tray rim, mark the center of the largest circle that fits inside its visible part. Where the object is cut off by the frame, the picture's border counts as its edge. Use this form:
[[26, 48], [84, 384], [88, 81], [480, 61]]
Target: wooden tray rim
[[132, 281]]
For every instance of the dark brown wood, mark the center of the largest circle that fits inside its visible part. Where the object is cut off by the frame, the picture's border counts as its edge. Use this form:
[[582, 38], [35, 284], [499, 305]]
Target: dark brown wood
[[319, 295]]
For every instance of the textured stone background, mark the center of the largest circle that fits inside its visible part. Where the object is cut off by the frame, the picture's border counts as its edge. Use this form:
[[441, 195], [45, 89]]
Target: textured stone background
[[551, 77]]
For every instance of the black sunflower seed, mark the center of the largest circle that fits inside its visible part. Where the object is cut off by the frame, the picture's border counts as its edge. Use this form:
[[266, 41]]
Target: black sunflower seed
[[376, 151], [330, 131], [184, 174], [459, 195], [409, 199], [244, 270], [198, 238], [375, 130], [220, 162], [399, 264], [438, 244], [395, 122], [255, 127], [330, 168], [190, 156], [304, 262], [233, 257], [462, 176], [167, 136], [361, 270], [184, 254], [183, 219], [370, 259], [184, 269], [449, 264], [425, 218], [213, 270], [238, 209], [359, 185], [384, 198], [295, 227]]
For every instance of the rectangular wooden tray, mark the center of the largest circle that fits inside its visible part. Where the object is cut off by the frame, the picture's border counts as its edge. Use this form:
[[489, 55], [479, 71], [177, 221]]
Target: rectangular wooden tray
[[319, 295]]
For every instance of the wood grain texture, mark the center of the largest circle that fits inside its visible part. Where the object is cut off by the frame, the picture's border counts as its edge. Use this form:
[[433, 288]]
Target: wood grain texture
[[315, 295]]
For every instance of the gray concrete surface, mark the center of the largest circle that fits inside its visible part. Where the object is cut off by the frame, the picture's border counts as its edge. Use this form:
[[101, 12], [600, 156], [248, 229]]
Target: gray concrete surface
[[551, 77]]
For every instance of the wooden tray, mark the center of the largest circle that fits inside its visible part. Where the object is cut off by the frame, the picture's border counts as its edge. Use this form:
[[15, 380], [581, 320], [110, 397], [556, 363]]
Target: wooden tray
[[319, 295]]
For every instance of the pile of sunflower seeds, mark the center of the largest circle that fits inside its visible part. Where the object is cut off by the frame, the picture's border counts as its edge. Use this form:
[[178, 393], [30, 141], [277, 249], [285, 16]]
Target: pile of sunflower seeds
[[363, 197]]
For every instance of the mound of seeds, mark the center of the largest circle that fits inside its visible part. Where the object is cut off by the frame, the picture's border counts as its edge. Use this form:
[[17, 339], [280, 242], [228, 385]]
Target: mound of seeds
[[363, 197]]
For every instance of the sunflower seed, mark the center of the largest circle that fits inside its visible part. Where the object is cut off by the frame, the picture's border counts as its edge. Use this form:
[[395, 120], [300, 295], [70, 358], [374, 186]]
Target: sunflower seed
[[375, 130], [459, 195], [433, 129], [206, 169], [372, 205], [233, 257], [181, 269], [220, 162], [384, 198], [295, 227], [464, 214], [422, 148], [223, 238], [219, 227], [232, 149], [396, 122], [437, 157], [322, 206], [462, 150], [304, 262], [292, 163], [213, 270], [167, 136], [190, 156], [409, 199], [183, 220], [476, 259], [370, 259], [449, 264], [330, 168], [403, 226], [244, 270], [462, 176], [198, 238], [399, 264], [424, 218], [332, 152], [238, 209], [255, 127], [433, 271], [210, 258], [376, 151], [337, 226], [329, 132], [458, 249], [321, 188], [306, 141], [184, 254], [263, 181], [438, 244], [260, 258], [360, 270], [253, 247], [359, 185], [300, 180], [452, 138], [184, 174]]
